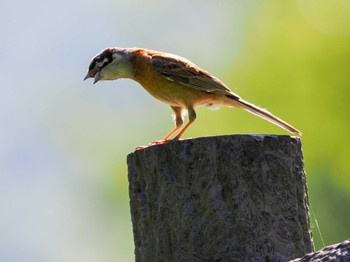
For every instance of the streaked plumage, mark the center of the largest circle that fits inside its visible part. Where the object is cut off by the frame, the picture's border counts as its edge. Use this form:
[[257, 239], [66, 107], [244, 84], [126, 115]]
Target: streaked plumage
[[173, 80]]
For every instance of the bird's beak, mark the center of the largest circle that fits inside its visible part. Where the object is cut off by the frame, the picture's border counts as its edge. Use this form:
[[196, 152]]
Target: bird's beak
[[90, 74], [93, 74], [97, 77], [87, 76]]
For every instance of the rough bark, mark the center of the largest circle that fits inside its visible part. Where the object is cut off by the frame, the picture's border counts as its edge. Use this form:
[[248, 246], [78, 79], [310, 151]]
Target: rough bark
[[225, 198], [337, 252]]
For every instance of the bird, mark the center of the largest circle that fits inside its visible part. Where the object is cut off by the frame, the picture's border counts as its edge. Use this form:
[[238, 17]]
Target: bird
[[175, 81]]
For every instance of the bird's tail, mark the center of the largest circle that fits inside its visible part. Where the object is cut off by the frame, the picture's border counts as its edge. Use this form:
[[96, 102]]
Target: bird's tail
[[265, 115]]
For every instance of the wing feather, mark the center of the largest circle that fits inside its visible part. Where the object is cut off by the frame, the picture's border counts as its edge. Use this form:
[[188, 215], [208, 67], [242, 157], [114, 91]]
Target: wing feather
[[184, 72]]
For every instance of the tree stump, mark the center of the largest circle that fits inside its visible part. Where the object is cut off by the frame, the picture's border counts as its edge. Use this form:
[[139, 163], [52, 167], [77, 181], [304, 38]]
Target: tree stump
[[224, 198]]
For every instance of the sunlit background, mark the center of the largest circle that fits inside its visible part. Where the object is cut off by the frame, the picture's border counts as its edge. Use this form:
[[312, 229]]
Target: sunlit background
[[64, 142]]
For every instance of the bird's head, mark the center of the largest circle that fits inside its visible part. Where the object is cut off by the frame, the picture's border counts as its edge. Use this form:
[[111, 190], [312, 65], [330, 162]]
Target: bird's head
[[110, 64]]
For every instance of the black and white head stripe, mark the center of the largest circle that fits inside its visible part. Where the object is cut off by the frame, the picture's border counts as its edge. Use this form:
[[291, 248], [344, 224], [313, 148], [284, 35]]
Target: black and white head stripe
[[102, 59]]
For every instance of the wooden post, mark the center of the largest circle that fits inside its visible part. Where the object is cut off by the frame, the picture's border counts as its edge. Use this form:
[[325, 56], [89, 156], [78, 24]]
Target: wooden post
[[225, 198]]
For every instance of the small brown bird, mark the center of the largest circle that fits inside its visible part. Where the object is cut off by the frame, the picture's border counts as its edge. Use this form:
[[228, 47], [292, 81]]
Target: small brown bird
[[175, 81]]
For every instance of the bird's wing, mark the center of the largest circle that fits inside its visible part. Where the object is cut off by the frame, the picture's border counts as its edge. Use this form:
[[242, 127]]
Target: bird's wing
[[184, 72]]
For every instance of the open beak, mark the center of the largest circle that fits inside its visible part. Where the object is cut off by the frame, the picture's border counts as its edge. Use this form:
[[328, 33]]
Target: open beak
[[97, 77], [93, 74], [87, 76]]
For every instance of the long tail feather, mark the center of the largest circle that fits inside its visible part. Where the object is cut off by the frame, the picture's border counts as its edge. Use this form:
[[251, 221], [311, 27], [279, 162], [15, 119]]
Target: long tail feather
[[267, 116]]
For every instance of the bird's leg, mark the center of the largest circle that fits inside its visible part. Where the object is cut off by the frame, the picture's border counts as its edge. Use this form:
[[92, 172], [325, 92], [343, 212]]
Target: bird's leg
[[170, 133], [191, 117], [178, 119]]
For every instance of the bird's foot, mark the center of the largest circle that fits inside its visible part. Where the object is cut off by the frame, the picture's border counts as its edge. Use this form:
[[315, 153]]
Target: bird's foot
[[141, 147], [159, 142]]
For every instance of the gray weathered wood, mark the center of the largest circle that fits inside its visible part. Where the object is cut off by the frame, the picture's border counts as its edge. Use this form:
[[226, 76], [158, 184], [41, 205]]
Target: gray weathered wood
[[225, 198]]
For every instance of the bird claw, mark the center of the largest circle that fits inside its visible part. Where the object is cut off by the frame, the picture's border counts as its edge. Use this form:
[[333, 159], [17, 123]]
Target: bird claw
[[141, 147], [159, 142]]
